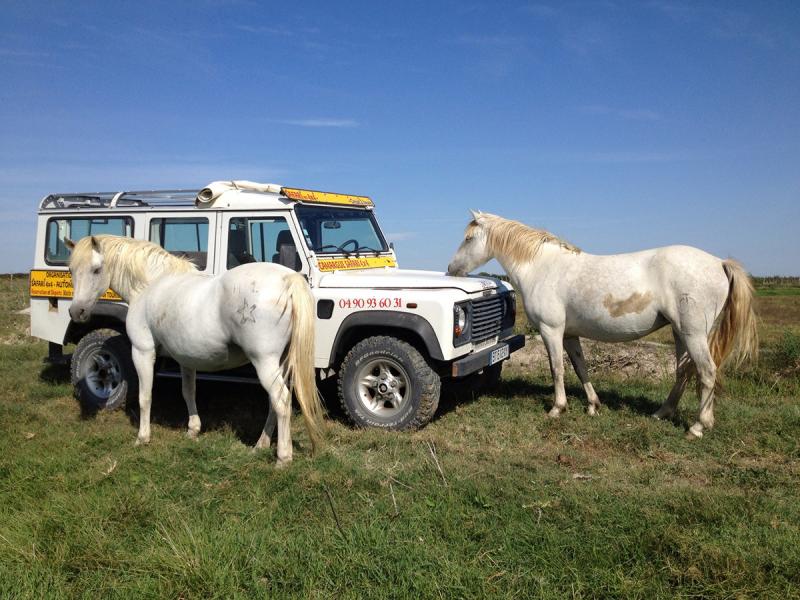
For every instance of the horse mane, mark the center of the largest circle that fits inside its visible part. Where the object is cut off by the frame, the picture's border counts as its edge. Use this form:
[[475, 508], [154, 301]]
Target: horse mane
[[515, 240], [132, 263]]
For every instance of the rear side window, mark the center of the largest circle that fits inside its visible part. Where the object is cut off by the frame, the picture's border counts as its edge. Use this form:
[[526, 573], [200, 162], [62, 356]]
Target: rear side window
[[58, 230], [187, 237]]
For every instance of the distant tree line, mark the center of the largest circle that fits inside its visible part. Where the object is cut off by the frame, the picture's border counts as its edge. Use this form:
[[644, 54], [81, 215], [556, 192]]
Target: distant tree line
[[776, 281]]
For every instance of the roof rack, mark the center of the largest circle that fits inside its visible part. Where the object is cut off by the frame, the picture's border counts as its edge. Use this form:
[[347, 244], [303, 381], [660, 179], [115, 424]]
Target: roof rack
[[111, 200]]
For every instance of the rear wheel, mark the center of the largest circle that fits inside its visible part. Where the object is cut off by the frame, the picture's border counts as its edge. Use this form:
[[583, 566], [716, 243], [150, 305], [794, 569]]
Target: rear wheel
[[385, 382], [102, 371]]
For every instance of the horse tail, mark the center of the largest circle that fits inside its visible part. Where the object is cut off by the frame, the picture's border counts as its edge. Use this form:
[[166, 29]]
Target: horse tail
[[298, 364], [735, 335]]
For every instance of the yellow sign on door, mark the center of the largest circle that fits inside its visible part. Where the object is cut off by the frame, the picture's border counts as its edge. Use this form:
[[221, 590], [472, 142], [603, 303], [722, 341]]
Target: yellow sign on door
[[57, 284]]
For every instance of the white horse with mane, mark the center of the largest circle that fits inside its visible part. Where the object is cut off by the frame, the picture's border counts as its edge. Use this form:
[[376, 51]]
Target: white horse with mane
[[260, 312], [569, 294]]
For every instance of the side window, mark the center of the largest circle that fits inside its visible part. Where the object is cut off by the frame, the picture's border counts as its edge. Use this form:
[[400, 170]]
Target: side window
[[58, 230], [258, 239], [187, 237]]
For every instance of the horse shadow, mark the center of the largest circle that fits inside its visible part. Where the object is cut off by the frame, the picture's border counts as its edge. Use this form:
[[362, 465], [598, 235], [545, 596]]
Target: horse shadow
[[517, 387], [236, 407], [610, 398]]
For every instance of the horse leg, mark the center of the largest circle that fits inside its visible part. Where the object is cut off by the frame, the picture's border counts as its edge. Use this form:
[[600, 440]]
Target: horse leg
[[271, 378], [683, 368], [269, 428], [188, 389], [697, 345], [144, 360], [553, 339], [575, 353]]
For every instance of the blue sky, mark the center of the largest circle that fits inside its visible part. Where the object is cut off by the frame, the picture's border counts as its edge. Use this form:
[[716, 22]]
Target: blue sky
[[618, 126]]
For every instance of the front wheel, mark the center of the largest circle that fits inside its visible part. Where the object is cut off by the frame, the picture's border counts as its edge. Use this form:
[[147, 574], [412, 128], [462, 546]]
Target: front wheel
[[102, 371], [385, 382]]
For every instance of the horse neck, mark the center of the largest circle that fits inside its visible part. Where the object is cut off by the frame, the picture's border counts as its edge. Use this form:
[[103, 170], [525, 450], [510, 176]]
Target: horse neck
[[521, 272], [129, 279]]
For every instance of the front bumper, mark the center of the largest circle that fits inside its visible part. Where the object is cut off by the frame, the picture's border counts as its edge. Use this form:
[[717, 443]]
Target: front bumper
[[485, 358]]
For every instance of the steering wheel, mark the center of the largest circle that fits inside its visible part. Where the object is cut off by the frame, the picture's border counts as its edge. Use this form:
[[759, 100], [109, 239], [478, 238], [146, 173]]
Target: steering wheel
[[345, 243]]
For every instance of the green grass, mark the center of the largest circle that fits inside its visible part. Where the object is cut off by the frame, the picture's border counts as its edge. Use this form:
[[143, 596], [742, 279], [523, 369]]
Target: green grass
[[778, 291], [492, 499]]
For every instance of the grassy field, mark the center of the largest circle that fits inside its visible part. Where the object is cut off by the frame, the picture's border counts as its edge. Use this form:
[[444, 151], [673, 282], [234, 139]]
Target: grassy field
[[492, 499]]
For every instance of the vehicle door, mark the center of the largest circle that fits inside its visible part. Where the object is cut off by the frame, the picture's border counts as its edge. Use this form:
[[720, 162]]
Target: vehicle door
[[190, 235], [260, 237]]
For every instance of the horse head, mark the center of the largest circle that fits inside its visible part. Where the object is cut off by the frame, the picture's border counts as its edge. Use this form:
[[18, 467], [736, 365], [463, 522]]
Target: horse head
[[89, 277], [474, 249]]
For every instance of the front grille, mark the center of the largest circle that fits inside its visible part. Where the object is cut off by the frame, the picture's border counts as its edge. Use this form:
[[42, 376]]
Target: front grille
[[487, 317]]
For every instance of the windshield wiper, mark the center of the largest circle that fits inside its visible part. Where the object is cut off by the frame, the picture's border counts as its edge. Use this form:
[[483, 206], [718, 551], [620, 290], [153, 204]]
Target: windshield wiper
[[336, 248], [360, 248]]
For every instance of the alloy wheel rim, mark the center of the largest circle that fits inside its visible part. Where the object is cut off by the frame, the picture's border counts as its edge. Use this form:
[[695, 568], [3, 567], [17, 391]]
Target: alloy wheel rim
[[103, 375], [384, 387]]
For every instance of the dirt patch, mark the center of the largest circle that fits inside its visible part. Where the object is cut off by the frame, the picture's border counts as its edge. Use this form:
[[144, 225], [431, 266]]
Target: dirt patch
[[639, 360], [17, 339]]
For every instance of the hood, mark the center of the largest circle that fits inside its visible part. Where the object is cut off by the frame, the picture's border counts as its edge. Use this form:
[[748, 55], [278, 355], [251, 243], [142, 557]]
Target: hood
[[406, 279]]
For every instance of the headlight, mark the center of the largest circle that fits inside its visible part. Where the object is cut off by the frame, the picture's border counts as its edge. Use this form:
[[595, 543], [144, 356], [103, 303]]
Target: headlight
[[459, 320], [462, 327], [510, 310]]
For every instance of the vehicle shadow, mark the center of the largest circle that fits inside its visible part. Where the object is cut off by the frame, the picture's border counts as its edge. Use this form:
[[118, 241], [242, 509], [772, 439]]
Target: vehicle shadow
[[243, 408], [456, 393], [54, 373]]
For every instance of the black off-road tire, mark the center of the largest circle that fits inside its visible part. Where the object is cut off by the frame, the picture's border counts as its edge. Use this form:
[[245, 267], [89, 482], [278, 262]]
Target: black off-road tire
[[102, 370], [417, 383]]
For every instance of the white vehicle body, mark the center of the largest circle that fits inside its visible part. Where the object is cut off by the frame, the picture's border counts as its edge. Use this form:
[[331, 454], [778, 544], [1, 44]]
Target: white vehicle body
[[360, 291]]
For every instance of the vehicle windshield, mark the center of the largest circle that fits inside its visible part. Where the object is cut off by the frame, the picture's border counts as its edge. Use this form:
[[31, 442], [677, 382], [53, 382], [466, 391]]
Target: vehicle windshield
[[340, 230]]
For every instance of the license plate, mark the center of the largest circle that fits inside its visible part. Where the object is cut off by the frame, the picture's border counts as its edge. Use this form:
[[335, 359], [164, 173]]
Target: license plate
[[498, 355]]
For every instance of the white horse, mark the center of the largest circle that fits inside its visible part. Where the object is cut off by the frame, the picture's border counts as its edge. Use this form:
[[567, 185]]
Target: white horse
[[569, 294], [259, 313]]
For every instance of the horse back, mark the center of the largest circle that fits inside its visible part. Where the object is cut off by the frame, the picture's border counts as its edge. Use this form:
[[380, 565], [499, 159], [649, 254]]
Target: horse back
[[625, 296]]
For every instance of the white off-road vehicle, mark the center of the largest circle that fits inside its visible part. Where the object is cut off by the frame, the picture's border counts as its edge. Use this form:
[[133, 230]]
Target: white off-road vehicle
[[389, 336]]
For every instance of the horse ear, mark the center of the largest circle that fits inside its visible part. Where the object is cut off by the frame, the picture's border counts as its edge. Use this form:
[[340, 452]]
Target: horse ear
[[69, 244], [476, 215], [95, 244]]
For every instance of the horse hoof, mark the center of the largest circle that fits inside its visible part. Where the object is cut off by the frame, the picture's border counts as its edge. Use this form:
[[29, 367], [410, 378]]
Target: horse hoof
[[695, 432], [140, 441], [283, 463], [192, 434], [593, 411], [554, 413]]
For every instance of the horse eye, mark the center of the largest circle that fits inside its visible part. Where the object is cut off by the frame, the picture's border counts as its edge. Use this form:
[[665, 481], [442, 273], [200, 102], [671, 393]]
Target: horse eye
[[96, 270]]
